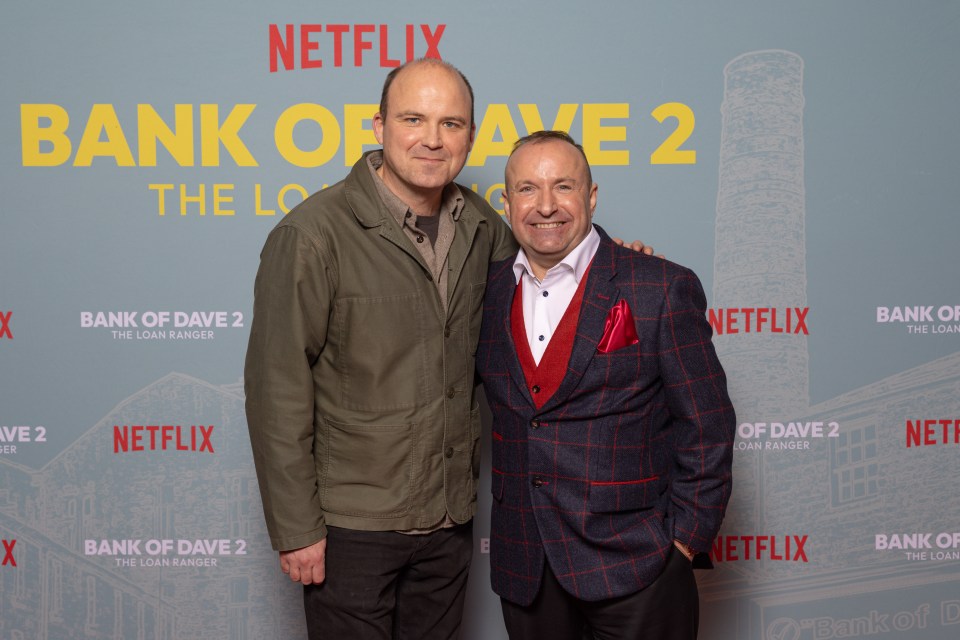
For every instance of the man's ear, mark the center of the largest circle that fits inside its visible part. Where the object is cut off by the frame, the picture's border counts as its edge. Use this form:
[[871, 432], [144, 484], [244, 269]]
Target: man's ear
[[378, 127], [506, 205], [593, 198]]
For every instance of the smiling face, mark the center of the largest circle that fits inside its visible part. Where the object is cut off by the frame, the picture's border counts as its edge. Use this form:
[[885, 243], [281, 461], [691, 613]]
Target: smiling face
[[549, 201], [426, 133]]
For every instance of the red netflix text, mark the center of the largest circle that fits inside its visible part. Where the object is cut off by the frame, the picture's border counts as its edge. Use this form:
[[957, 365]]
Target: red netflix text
[[162, 438], [319, 43], [924, 433], [785, 548], [8, 559], [5, 325], [790, 320]]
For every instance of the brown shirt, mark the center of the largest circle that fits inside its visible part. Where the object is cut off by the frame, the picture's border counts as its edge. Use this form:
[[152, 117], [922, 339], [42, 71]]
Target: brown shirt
[[434, 254]]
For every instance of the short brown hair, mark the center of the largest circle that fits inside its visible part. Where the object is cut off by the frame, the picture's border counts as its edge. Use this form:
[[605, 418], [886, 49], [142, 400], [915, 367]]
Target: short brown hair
[[545, 135]]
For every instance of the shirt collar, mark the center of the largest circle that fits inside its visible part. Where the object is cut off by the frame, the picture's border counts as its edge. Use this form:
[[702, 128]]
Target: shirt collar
[[577, 261], [451, 201]]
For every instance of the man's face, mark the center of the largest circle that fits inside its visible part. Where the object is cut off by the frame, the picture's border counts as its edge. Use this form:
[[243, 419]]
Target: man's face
[[549, 201], [427, 133]]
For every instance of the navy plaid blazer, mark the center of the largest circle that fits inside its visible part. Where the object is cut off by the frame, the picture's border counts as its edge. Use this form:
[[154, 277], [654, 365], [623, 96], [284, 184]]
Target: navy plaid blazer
[[633, 450]]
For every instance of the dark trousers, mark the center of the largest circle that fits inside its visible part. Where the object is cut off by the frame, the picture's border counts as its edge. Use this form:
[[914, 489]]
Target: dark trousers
[[668, 609], [385, 585]]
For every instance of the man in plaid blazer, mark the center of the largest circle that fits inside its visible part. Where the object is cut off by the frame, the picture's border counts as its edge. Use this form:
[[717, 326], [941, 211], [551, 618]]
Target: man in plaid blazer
[[612, 427]]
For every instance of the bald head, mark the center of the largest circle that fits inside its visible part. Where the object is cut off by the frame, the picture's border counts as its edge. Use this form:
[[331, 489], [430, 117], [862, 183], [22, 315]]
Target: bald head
[[431, 65]]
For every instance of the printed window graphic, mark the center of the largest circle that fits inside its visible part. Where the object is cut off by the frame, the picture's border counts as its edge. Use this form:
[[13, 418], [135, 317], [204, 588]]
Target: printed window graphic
[[855, 466]]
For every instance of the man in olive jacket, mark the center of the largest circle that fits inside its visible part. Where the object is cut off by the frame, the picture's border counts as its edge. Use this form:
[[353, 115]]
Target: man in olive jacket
[[359, 375]]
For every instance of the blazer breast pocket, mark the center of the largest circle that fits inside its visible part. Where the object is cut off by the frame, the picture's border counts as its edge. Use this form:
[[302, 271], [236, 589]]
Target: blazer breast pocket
[[618, 330]]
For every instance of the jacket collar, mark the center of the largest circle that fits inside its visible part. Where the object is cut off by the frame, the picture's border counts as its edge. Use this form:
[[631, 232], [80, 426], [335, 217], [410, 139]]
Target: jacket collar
[[368, 207]]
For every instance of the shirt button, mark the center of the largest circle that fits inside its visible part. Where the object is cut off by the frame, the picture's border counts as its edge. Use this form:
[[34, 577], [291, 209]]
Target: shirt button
[[535, 388], [534, 424], [451, 392], [408, 215], [420, 239], [537, 482], [540, 338], [546, 293], [449, 452]]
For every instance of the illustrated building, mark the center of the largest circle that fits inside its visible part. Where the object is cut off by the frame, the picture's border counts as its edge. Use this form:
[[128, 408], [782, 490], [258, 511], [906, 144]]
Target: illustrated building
[[92, 492], [843, 490]]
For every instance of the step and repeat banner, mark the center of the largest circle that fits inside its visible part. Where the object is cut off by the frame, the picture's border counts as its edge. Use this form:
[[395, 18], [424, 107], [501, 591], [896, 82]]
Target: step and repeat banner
[[801, 156]]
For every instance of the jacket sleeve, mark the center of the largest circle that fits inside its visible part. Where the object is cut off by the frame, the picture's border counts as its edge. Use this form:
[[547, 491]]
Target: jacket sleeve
[[703, 420], [292, 299]]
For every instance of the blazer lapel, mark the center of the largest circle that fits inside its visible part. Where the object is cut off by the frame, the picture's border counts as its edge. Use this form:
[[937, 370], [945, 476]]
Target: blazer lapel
[[600, 295], [503, 286]]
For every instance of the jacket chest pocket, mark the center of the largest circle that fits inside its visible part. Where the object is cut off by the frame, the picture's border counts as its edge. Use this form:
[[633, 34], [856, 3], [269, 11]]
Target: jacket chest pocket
[[381, 355]]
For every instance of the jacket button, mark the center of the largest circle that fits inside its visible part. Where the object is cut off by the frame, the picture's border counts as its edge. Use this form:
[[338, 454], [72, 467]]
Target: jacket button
[[535, 388], [534, 424], [537, 482], [451, 392], [449, 452]]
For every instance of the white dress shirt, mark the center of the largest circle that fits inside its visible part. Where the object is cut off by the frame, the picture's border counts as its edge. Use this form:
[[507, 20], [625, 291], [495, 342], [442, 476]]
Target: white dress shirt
[[545, 302]]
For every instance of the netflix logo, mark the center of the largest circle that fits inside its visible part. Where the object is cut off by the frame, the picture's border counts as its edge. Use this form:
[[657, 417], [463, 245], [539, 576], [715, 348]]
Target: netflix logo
[[162, 438], [783, 548], [359, 44], [786, 320], [925, 433]]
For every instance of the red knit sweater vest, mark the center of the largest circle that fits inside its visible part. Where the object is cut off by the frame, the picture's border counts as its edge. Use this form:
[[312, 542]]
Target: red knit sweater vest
[[544, 379]]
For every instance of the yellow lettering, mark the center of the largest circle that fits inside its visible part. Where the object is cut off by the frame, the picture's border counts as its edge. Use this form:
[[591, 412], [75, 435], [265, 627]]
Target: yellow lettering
[[161, 190], [257, 199], [178, 141], [199, 199], [220, 198], [355, 135], [533, 122], [329, 135], [33, 135], [489, 194], [594, 133], [670, 152], [281, 197], [497, 117], [212, 134], [103, 120], [494, 188]]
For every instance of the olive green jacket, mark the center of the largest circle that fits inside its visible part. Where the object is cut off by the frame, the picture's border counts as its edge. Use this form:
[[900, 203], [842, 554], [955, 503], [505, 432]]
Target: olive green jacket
[[359, 388]]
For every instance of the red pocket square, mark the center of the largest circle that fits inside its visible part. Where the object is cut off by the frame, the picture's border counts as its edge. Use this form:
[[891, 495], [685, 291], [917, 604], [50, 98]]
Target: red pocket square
[[618, 332]]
